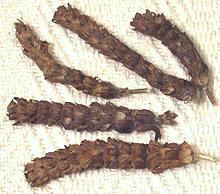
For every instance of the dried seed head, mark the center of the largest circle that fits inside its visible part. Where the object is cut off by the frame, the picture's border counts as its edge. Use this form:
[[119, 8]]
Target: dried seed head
[[37, 50], [92, 118], [179, 44], [99, 38], [113, 154]]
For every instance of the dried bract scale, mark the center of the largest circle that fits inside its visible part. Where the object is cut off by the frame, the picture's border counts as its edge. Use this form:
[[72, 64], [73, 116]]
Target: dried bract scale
[[113, 154], [178, 42], [37, 50], [98, 37], [92, 118]]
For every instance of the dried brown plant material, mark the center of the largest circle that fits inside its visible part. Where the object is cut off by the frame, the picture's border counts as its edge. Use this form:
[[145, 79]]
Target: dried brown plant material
[[178, 42], [98, 37], [37, 50], [113, 154], [92, 118]]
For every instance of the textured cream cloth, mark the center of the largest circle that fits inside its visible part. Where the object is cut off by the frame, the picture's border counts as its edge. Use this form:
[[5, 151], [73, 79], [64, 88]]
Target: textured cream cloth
[[198, 123]]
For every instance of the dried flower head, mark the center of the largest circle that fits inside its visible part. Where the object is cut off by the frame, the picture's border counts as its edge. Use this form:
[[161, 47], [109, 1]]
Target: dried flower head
[[92, 118], [99, 38], [178, 42], [54, 72], [113, 154]]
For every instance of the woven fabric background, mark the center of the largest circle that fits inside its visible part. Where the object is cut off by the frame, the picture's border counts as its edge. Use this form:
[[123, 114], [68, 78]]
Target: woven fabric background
[[198, 122]]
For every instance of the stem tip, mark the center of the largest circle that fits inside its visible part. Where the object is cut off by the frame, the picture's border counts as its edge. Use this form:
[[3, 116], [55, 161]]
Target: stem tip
[[210, 96], [139, 91], [200, 156]]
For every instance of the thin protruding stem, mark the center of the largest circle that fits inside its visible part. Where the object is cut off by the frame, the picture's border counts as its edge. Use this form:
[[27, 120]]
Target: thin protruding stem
[[139, 91], [200, 156], [210, 96]]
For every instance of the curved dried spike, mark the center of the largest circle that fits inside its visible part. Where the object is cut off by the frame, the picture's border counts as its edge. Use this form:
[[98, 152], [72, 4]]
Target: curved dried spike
[[99, 38], [178, 42], [94, 117], [114, 154], [156, 25], [37, 50]]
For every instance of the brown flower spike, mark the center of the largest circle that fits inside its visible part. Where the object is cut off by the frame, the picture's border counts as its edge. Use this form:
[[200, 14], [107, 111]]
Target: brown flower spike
[[179, 43], [113, 154], [92, 118], [99, 38], [37, 50]]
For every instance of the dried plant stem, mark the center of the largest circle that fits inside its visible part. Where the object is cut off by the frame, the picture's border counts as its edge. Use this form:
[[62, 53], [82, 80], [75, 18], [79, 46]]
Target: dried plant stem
[[199, 156], [113, 154], [138, 91], [178, 42], [92, 118], [210, 96], [37, 50], [98, 37]]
